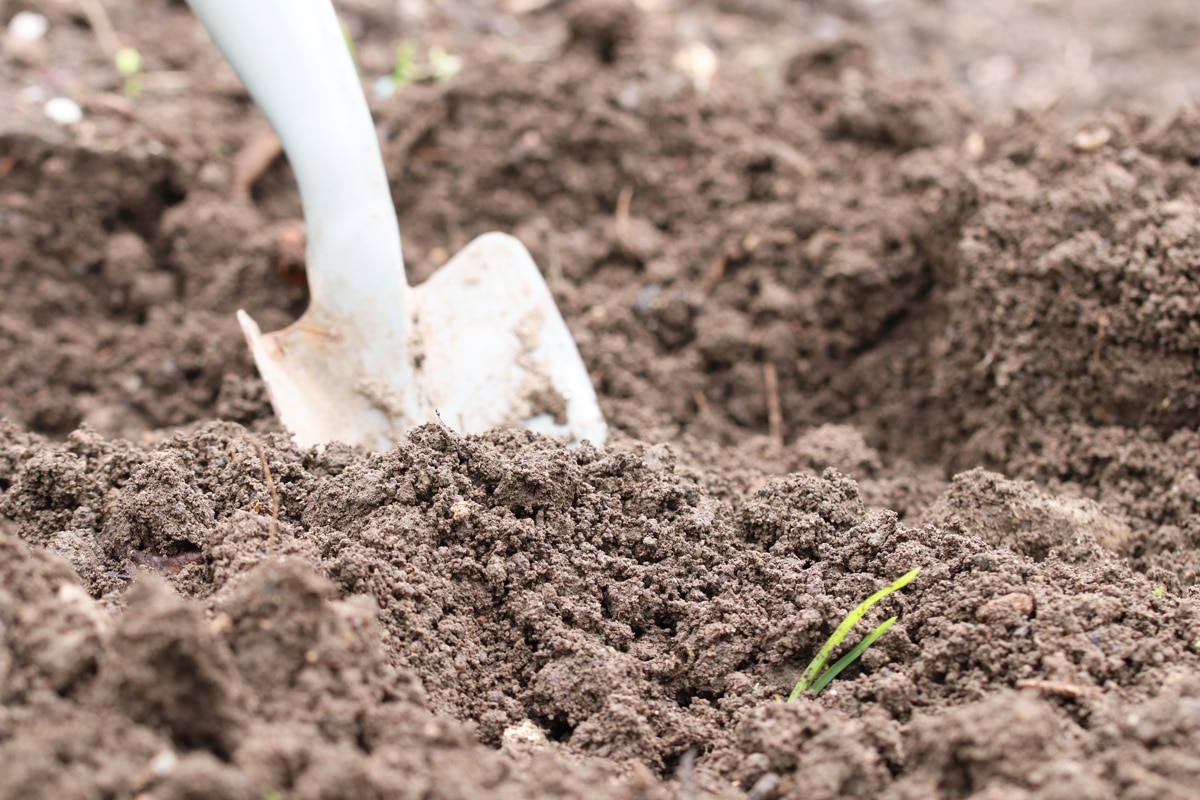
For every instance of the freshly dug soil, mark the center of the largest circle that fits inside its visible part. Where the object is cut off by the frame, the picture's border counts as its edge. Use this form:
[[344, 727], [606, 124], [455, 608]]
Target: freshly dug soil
[[893, 287]]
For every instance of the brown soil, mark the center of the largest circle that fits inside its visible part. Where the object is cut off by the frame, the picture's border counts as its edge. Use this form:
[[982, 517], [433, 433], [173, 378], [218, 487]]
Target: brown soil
[[911, 284]]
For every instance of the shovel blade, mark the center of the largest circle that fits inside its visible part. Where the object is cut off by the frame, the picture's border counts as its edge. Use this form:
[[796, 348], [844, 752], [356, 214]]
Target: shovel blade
[[488, 349], [494, 349]]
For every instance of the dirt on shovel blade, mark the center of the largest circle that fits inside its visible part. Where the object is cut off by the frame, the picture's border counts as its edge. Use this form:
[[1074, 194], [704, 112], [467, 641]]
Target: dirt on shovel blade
[[862, 286]]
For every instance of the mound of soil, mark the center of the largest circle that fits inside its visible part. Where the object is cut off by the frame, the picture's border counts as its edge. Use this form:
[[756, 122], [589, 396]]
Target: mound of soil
[[845, 321]]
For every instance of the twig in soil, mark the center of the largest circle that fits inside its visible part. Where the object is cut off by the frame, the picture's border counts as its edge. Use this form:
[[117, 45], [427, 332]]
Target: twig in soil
[[530, 6], [554, 271], [774, 409], [816, 680], [1059, 688], [624, 238], [125, 108], [716, 271], [266, 469], [1101, 332], [166, 80], [163, 565], [685, 773], [254, 157], [415, 131], [641, 779], [101, 25]]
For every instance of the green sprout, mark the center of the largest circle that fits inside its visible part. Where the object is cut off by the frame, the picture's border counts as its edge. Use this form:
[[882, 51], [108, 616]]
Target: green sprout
[[813, 678], [129, 66], [405, 71], [440, 66], [1159, 591]]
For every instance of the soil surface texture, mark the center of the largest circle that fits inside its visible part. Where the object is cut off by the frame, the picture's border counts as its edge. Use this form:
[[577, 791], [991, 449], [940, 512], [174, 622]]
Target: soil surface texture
[[864, 286]]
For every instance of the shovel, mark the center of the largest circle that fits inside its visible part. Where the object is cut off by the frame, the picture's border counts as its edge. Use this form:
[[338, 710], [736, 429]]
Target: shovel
[[480, 345]]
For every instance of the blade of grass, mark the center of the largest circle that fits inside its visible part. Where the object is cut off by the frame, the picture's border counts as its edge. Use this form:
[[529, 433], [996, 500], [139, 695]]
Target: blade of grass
[[814, 668], [848, 659]]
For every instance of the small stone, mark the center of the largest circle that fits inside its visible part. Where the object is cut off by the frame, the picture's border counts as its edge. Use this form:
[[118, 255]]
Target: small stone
[[213, 176], [765, 787], [1089, 140], [460, 511], [164, 763], [697, 61], [525, 734], [974, 146], [63, 110], [27, 26], [25, 38]]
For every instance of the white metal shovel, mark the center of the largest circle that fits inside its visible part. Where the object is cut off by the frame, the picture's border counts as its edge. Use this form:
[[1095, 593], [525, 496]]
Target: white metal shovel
[[479, 345]]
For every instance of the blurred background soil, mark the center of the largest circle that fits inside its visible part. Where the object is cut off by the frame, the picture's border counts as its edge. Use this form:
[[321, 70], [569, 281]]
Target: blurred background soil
[[863, 286]]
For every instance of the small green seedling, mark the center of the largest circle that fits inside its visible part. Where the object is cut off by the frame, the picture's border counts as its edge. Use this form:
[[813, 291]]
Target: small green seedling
[[1159, 591], [405, 71], [813, 678], [128, 62], [440, 66]]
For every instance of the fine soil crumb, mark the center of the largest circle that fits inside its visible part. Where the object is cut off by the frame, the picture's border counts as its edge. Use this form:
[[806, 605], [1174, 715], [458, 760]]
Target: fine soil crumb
[[603, 599]]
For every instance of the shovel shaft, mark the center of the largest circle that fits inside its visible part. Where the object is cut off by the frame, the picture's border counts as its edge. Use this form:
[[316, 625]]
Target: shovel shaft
[[294, 60]]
